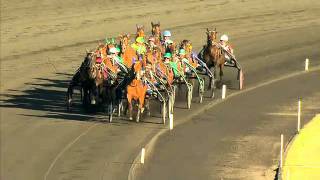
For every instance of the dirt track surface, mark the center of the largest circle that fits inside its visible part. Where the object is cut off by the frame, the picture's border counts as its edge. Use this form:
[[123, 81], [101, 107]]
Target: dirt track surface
[[235, 140], [43, 42]]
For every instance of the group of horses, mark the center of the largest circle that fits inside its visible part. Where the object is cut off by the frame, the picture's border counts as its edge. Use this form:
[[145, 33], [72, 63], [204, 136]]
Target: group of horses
[[139, 78]]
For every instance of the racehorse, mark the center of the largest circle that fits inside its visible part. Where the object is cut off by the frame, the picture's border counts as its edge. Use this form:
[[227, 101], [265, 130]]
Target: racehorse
[[127, 53], [88, 78], [153, 56], [136, 90], [156, 33], [213, 54]]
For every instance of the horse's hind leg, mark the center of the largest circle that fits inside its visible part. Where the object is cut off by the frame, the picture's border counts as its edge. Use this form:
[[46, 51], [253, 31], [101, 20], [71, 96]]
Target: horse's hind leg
[[69, 96], [130, 107], [221, 71]]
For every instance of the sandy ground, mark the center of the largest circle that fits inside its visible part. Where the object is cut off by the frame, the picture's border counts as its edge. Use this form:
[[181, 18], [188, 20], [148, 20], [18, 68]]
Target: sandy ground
[[43, 42]]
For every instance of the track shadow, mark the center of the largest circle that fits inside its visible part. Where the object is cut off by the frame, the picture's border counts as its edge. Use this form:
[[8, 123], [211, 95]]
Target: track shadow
[[47, 96]]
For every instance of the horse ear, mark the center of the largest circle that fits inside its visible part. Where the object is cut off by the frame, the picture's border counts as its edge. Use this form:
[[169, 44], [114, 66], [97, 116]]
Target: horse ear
[[207, 30], [87, 51], [152, 23], [159, 23]]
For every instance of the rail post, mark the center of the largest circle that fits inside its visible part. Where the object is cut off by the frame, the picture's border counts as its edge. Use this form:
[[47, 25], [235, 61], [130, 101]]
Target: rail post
[[143, 151], [306, 66], [299, 115]]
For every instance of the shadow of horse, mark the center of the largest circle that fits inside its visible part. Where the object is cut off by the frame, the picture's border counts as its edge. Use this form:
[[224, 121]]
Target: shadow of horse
[[49, 96]]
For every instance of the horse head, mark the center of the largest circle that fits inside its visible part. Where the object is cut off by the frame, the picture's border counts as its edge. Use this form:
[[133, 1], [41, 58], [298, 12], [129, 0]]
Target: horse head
[[211, 35], [155, 29], [140, 30], [124, 42], [87, 68]]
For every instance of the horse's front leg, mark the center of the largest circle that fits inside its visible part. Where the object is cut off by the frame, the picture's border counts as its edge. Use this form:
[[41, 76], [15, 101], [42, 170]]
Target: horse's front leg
[[211, 79], [141, 103], [93, 95]]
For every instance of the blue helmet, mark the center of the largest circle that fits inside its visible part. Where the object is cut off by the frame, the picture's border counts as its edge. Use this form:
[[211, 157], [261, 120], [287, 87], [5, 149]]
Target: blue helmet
[[167, 33]]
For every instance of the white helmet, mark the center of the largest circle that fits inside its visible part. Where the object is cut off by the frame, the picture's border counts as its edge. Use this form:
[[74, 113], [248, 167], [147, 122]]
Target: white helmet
[[112, 50], [167, 33], [224, 38]]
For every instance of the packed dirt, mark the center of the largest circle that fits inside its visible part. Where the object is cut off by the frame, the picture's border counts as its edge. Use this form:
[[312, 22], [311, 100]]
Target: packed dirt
[[49, 36], [43, 42]]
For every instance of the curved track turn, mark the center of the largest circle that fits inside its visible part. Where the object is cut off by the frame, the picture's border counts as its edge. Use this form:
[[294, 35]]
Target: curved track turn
[[42, 44]]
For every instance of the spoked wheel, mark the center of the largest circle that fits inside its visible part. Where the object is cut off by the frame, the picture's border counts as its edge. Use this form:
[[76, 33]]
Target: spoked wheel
[[189, 96], [241, 79], [172, 103], [164, 112], [201, 90], [169, 105], [174, 94]]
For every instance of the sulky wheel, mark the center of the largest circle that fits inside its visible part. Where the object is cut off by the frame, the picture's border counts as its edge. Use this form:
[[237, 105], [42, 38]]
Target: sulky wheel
[[241, 79], [164, 112], [201, 90], [169, 105], [189, 96]]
